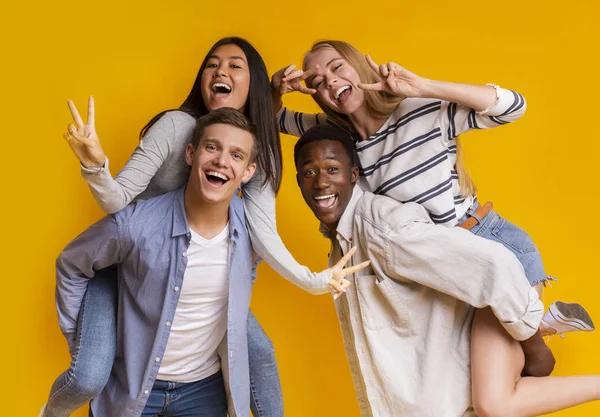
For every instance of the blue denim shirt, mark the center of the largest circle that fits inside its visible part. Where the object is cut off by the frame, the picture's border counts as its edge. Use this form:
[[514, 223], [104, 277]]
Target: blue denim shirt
[[148, 240]]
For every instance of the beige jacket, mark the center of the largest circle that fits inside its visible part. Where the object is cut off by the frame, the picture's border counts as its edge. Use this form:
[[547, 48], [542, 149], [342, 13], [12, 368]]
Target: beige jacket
[[406, 320]]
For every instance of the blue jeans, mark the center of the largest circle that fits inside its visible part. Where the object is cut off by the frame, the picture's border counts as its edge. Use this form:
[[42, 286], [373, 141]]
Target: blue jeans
[[494, 227], [94, 350], [94, 353], [204, 398]]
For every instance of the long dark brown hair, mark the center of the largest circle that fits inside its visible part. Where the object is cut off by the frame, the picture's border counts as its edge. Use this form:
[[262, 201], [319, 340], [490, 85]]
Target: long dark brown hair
[[259, 109]]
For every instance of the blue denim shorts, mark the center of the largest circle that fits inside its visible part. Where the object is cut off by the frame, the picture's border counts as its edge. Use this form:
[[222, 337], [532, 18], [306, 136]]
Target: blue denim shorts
[[496, 228]]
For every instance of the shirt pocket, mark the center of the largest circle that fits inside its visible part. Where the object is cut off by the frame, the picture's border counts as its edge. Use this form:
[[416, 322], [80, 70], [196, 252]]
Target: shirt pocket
[[380, 304]]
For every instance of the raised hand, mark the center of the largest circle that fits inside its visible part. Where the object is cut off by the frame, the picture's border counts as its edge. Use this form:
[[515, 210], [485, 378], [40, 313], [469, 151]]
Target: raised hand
[[286, 80], [394, 79], [82, 137], [337, 279]]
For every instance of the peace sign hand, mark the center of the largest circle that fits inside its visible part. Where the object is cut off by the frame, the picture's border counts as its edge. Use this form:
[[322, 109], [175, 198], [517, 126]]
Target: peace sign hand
[[395, 79], [286, 80], [82, 137], [337, 280]]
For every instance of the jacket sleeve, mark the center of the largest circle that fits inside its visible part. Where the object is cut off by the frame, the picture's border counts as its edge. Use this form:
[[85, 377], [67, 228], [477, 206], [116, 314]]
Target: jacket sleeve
[[472, 269]]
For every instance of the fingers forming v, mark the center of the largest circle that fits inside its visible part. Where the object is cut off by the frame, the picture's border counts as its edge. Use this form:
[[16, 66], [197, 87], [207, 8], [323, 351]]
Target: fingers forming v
[[372, 63], [352, 269], [91, 112], [294, 75], [307, 74], [76, 117], [346, 258], [288, 70]]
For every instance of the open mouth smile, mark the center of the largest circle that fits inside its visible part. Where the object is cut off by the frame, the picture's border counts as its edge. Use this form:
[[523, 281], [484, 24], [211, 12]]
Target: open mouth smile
[[221, 89], [326, 201], [216, 179], [342, 93]]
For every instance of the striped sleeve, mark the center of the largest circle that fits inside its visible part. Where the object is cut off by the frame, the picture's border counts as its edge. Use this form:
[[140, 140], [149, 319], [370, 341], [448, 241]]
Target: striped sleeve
[[509, 107], [296, 123]]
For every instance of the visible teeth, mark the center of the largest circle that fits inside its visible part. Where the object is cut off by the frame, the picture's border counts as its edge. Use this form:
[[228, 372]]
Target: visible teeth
[[218, 175], [225, 86], [323, 197], [339, 92]]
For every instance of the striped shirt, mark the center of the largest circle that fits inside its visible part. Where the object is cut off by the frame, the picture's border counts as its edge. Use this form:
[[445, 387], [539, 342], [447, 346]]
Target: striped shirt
[[411, 157]]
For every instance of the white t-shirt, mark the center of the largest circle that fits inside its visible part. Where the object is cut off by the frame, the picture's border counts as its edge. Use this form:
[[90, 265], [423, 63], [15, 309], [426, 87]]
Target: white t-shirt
[[200, 321]]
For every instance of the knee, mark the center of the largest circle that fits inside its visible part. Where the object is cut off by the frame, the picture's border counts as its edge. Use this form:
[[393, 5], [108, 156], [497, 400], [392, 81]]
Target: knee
[[88, 387], [260, 348], [90, 382]]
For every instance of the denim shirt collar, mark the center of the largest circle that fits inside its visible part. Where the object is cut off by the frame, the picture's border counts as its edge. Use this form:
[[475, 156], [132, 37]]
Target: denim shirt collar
[[180, 224]]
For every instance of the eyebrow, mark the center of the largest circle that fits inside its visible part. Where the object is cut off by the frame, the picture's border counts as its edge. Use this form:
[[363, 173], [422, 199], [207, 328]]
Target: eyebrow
[[311, 78], [239, 150], [229, 149], [231, 57], [334, 59], [329, 158]]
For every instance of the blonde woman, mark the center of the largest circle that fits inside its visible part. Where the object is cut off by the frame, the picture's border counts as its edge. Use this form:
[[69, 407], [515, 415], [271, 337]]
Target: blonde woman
[[406, 130]]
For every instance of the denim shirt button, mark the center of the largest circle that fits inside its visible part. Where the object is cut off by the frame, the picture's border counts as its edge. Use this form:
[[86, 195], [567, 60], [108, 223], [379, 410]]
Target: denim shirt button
[[184, 254], [176, 289], [168, 323], [146, 392], [157, 359]]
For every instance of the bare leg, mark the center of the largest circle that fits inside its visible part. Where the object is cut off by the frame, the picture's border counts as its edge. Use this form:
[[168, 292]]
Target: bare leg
[[540, 289], [546, 331], [498, 389]]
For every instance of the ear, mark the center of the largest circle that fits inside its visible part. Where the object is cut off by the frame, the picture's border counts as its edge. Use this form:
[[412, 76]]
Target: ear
[[189, 154], [354, 174], [250, 169]]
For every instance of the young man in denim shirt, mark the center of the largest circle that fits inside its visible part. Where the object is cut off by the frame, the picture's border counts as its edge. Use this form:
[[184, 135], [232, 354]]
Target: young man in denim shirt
[[169, 330]]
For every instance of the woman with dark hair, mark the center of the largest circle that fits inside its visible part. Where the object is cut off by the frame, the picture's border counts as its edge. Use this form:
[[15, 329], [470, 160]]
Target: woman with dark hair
[[232, 74]]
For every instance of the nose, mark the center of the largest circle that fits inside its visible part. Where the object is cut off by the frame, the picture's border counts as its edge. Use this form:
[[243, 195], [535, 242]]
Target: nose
[[220, 72], [220, 160], [322, 181], [331, 81]]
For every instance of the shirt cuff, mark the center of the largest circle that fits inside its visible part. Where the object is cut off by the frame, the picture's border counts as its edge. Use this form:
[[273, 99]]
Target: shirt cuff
[[279, 112], [528, 324], [504, 98], [322, 279], [94, 170]]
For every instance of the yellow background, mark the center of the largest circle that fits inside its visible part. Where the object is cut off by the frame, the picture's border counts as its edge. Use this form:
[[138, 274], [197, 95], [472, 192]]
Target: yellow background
[[140, 57]]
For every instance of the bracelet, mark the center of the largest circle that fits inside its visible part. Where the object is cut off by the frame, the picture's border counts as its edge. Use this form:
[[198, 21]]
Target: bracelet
[[491, 106]]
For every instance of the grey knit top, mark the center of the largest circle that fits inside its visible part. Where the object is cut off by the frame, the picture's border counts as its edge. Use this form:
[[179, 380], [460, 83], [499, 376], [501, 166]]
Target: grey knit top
[[158, 165]]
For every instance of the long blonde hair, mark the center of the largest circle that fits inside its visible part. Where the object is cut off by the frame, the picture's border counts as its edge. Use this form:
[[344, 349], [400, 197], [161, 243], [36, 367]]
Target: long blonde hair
[[379, 103]]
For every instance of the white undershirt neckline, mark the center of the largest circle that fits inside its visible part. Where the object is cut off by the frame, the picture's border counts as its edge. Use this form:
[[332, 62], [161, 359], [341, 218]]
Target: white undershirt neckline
[[200, 320]]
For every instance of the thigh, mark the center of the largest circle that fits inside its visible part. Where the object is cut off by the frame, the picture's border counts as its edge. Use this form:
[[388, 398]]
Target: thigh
[[94, 349], [495, 227], [205, 398], [97, 326], [258, 341], [496, 359]]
